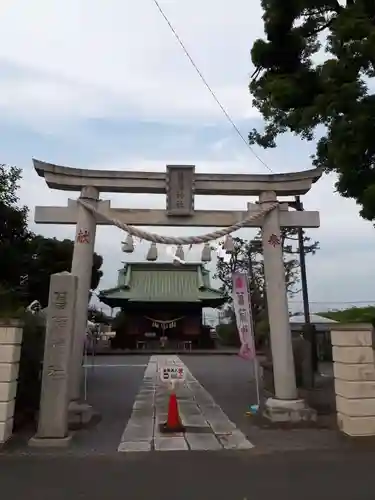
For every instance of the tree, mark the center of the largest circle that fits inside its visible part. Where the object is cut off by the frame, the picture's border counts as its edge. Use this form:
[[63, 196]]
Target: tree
[[47, 256], [97, 316], [297, 94], [247, 256], [352, 315], [27, 260], [14, 235]]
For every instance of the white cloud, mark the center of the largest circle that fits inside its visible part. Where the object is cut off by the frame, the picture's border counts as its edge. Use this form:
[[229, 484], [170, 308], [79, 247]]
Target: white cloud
[[124, 50], [47, 105], [80, 59]]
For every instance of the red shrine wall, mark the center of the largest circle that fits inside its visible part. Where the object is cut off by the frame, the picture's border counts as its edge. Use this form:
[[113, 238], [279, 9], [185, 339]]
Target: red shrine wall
[[192, 325], [184, 324]]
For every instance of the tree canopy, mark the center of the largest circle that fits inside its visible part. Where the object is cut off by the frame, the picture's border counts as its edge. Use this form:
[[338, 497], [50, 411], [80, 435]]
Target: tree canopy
[[247, 256], [314, 77], [47, 256], [28, 260], [352, 315], [98, 316], [14, 235]]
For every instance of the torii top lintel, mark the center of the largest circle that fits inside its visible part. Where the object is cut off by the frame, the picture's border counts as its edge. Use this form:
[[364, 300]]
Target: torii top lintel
[[118, 181]]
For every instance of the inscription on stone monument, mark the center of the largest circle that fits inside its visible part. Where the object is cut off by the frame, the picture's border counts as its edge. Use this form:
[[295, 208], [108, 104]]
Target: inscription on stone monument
[[180, 190], [53, 416]]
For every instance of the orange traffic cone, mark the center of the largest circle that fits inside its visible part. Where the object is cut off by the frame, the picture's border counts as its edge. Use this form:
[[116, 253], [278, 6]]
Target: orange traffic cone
[[173, 423]]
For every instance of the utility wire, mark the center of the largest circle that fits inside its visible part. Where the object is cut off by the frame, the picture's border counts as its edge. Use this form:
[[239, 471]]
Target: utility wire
[[228, 117]]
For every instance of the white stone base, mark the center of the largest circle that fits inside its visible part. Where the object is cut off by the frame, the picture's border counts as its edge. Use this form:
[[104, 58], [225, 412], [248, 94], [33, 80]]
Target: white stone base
[[361, 407], [356, 426], [355, 372], [354, 389], [36, 442], [8, 371], [282, 410], [6, 410], [8, 390], [10, 353], [6, 429], [11, 333]]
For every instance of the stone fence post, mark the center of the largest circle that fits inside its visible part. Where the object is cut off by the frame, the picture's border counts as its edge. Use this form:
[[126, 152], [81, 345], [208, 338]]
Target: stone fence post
[[10, 353], [354, 372]]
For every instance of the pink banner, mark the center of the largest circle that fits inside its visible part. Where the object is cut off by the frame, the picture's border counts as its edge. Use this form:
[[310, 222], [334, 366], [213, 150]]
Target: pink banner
[[242, 310]]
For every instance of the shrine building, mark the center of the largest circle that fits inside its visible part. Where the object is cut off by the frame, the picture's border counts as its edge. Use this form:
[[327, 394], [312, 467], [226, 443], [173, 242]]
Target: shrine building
[[162, 304]]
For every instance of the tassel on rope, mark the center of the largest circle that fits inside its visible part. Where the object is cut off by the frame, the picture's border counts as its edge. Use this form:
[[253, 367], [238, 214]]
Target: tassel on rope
[[228, 244], [180, 252], [152, 253], [206, 253], [128, 244]]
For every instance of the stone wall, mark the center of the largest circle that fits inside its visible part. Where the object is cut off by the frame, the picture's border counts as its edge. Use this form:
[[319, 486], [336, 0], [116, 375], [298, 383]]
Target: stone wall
[[354, 372], [10, 351]]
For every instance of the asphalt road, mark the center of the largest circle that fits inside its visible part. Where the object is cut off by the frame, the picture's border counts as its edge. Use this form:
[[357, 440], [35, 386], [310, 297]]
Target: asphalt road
[[114, 381], [187, 476], [306, 464]]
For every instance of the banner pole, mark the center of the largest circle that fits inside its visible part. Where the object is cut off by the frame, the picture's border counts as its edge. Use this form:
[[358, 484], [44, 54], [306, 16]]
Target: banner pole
[[245, 325], [85, 372], [256, 376], [255, 360]]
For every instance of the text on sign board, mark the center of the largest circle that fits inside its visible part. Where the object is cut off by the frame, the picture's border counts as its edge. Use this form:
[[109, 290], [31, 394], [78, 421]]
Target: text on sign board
[[172, 373]]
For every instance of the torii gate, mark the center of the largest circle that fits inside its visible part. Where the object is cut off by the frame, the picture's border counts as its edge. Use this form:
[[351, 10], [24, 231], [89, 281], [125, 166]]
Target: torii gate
[[180, 184]]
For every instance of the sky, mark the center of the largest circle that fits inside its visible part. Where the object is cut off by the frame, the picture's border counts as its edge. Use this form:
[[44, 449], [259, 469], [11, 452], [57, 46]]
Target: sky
[[95, 84]]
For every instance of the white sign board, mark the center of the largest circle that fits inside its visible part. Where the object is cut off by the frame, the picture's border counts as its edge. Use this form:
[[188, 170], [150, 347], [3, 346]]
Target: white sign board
[[172, 373]]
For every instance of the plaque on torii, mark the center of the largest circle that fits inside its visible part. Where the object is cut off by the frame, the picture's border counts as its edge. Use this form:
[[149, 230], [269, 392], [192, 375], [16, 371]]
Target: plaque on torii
[[180, 190]]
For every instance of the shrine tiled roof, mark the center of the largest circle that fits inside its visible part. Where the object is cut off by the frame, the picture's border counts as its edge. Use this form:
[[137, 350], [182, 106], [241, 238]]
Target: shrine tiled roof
[[163, 282]]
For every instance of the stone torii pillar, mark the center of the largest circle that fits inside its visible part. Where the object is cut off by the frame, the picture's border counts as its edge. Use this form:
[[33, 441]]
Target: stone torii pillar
[[82, 268], [285, 406], [274, 270]]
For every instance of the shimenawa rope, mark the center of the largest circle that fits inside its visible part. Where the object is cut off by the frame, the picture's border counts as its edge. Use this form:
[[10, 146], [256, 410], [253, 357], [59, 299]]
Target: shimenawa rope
[[170, 240]]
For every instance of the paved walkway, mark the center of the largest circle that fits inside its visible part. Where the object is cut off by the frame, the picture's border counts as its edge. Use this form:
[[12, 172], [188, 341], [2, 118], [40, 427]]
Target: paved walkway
[[93, 469], [207, 426], [213, 404]]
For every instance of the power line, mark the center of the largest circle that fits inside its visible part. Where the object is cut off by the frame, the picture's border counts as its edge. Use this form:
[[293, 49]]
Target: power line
[[228, 117]]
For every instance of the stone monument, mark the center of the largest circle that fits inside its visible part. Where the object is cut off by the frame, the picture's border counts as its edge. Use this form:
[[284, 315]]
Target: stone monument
[[53, 415]]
